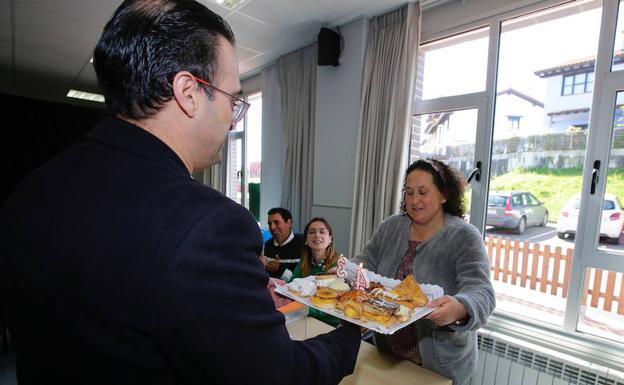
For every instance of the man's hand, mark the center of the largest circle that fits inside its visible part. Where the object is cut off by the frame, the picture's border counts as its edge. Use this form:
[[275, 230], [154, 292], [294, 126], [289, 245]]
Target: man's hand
[[273, 266]]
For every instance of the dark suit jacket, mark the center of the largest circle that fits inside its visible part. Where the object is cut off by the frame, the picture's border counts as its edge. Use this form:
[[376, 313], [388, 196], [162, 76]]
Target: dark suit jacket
[[116, 267]]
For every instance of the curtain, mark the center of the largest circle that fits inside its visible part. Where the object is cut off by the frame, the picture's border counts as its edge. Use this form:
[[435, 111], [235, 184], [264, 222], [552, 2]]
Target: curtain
[[297, 75], [273, 145], [212, 176], [387, 88]]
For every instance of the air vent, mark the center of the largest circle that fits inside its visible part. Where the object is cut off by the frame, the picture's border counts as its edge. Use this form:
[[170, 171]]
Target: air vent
[[605, 381], [513, 353], [487, 344], [540, 363], [526, 358], [500, 348], [555, 368], [546, 365], [571, 374]]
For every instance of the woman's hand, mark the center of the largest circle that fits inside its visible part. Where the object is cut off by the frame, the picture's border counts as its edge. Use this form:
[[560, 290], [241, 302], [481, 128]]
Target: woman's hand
[[449, 310]]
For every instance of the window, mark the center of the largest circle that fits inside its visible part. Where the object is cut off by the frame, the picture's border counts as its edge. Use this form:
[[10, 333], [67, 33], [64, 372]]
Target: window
[[453, 66], [514, 122], [533, 201], [578, 83], [449, 101], [243, 166], [570, 258]]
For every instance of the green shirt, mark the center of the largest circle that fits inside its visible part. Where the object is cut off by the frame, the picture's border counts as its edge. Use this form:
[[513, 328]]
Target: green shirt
[[319, 315]]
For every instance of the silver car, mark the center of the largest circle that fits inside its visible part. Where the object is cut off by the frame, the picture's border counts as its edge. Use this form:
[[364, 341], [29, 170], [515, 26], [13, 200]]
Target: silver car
[[515, 210]]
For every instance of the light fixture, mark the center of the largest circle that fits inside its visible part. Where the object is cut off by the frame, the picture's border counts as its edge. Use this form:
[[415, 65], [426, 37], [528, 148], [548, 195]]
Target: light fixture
[[85, 96], [232, 4]]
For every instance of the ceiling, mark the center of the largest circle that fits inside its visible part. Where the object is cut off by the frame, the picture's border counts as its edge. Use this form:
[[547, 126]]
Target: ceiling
[[46, 45]]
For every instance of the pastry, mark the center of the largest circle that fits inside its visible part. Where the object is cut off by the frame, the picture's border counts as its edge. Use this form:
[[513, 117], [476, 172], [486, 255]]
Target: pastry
[[409, 293]]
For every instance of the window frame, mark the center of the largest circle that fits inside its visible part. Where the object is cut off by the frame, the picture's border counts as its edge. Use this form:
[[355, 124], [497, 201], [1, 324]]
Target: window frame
[[586, 83], [565, 339]]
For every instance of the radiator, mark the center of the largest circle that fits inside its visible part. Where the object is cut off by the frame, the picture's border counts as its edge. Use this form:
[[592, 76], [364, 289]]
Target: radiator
[[504, 363]]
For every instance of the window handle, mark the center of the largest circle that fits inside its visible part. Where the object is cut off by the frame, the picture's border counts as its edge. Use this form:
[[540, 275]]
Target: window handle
[[595, 176], [476, 173]]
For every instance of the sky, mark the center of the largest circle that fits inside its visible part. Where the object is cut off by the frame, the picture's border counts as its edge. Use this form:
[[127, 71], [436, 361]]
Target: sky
[[461, 68]]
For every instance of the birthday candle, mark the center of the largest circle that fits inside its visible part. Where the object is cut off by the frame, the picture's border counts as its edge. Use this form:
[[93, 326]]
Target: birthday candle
[[361, 280], [340, 270]]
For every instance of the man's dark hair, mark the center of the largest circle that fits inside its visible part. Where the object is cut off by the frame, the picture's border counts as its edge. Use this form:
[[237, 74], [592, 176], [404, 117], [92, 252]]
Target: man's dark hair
[[146, 43], [448, 180], [286, 215]]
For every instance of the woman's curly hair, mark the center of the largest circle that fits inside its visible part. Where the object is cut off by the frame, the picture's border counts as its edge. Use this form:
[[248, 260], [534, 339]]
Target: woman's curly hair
[[448, 180]]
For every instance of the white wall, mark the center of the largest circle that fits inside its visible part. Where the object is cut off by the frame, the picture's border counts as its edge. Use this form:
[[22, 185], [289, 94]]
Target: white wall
[[556, 102], [337, 117], [531, 121]]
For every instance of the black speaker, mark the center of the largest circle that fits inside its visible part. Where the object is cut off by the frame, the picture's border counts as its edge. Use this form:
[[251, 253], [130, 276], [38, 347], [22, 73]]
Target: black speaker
[[328, 47]]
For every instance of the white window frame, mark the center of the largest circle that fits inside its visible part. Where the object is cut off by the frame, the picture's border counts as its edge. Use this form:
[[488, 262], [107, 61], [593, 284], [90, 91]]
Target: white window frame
[[566, 340]]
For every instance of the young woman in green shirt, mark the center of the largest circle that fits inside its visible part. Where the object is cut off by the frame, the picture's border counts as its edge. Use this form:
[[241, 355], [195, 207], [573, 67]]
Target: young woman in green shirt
[[319, 256]]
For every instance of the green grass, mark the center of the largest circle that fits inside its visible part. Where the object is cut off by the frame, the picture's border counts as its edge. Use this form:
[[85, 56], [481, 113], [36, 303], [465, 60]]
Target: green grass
[[554, 186]]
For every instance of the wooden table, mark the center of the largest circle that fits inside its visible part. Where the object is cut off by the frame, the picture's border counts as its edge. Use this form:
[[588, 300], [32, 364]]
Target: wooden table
[[371, 367]]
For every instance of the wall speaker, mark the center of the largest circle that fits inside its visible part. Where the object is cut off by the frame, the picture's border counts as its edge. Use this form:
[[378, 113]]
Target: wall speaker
[[329, 42]]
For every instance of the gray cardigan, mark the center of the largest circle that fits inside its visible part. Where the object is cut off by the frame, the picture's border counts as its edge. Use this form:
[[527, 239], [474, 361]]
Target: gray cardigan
[[455, 259]]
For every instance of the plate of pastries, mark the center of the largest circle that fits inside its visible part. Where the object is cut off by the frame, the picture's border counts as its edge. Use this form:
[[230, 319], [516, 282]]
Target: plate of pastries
[[385, 306]]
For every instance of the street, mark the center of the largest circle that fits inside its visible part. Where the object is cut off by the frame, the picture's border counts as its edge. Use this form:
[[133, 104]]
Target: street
[[548, 235]]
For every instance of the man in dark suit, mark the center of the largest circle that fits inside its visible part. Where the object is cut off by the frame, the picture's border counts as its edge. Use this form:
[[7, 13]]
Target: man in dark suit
[[116, 267]]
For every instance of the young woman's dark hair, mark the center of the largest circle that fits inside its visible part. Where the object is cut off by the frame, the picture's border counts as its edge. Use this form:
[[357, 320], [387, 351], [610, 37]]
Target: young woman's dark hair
[[146, 43], [331, 256], [450, 183]]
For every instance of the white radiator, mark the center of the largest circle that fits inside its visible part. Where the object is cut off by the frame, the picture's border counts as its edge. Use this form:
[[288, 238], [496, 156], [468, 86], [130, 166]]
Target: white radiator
[[505, 363]]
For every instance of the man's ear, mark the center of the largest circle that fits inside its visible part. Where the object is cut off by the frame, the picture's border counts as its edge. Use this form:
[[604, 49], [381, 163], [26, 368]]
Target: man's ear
[[185, 92]]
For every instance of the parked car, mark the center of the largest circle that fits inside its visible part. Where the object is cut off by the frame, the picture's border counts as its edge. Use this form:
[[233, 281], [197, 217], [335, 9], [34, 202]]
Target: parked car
[[611, 224], [515, 210]]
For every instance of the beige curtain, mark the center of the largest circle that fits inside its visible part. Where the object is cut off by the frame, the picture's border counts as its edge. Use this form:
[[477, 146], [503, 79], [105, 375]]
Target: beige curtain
[[297, 76], [273, 146], [388, 83], [212, 177]]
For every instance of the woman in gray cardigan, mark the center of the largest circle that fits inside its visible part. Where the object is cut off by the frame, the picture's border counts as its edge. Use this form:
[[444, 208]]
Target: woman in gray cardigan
[[431, 241]]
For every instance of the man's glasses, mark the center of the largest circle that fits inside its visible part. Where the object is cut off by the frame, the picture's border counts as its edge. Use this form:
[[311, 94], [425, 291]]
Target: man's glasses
[[239, 106]]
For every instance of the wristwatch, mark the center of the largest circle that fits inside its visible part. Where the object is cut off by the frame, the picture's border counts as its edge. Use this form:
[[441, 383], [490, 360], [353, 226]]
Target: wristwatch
[[463, 321]]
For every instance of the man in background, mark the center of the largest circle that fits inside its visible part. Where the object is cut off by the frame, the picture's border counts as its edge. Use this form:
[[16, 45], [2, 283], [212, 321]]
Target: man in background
[[116, 267], [283, 251]]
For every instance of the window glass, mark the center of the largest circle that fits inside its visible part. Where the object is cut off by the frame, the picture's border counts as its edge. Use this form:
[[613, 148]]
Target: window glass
[[453, 66], [497, 200], [612, 219], [244, 158], [532, 200], [618, 48], [253, 166], [545, 76], [602, 314], [448, 136]]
